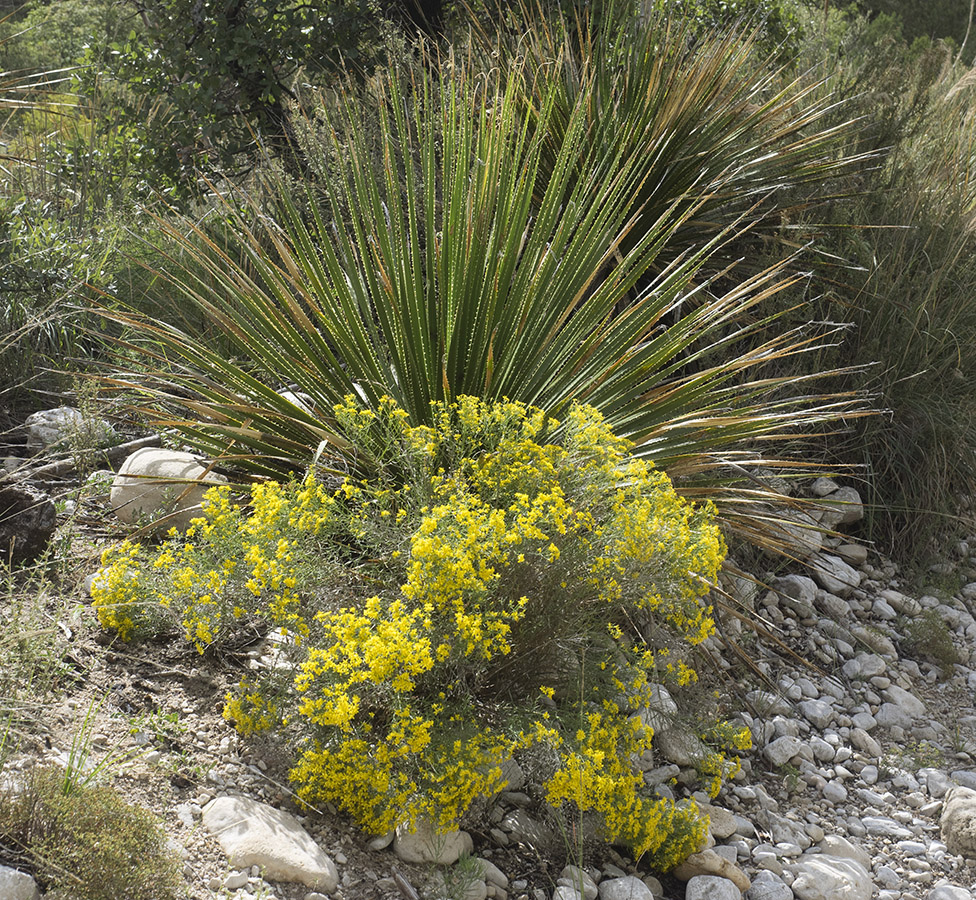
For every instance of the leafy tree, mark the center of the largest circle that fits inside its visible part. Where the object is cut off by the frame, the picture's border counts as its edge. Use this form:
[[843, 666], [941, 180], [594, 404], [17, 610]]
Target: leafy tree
[[226, 69], [777, 18], [214, 79], [922, 18], [54, 36]]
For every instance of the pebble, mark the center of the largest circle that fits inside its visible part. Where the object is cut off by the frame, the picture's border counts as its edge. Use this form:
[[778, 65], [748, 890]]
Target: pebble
[[235, 880]]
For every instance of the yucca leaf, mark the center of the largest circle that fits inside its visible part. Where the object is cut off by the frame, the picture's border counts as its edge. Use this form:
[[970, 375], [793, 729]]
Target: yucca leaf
[[478, 240]]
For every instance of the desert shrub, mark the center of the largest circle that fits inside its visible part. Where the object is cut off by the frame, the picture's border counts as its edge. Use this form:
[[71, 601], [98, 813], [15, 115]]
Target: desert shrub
[[85, 842], [505, 584], [928, 636], [896, 263]]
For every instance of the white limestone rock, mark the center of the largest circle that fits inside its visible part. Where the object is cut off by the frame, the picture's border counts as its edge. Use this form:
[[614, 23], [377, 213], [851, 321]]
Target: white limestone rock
[[255, 834], [841, 848], [627, 888], [906, 701], [841, 507], [512, 775], [468, 889], [900, 603], [823, 487], [946, 891], [709, 862], [834, 792], [766, 703], [865, 743], [721, 822], [580, 881], [424, 844], [834, 575], [875, 640], [798, 531], [782, 750], [15, 885], [769, 886], [819, 713], [958, 821], [882, 826], [156, 484], [853, 554], [711, 887], [680, 746], [660, 710], [820, 877], [936, 782], [796, 593], [832, 606], [491, 873], [566, 892], [51, 427], [865, 665]]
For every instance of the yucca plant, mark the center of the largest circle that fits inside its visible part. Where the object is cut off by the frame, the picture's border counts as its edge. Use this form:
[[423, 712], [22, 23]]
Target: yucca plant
[[726, 129], [451, 258]]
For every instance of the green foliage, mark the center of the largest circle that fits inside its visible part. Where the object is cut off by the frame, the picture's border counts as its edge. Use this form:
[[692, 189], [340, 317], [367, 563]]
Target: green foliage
[[86, 843], [492, 590], [777, 20], [49, 37], [220, 76], [927, 635], [476, 240]]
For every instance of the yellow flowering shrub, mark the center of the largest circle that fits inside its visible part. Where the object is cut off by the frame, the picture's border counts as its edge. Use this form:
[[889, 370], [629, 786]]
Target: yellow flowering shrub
[[229, 567], [597, 773], [504, 584]]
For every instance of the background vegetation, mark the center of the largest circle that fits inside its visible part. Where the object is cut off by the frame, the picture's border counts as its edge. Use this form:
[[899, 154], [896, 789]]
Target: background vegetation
[[824, 184], [730, 229]]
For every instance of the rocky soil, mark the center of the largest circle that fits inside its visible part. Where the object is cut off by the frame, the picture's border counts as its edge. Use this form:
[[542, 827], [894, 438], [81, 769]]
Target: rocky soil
[[861, 783]]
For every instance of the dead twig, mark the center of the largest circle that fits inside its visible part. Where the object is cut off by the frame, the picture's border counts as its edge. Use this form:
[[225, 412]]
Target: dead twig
[[112, 456]]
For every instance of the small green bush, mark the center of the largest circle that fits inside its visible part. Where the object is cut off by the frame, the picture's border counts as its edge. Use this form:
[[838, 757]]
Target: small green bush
[[504, 585], [85, 842], [928, 636]]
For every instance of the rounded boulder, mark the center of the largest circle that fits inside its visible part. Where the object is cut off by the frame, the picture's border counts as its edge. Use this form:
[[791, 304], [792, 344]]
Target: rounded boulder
[[163, 487]]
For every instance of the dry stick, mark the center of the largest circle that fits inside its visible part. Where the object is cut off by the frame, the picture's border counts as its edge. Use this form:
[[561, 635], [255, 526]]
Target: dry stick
[[65, 466], [405, 887], [969, 25]]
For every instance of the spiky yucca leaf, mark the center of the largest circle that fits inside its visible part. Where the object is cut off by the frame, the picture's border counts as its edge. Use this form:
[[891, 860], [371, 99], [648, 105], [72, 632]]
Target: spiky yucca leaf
[[724, 129], [449, 261]]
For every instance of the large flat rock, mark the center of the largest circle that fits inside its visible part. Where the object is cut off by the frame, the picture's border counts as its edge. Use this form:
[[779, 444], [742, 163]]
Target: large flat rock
[[255, 834]]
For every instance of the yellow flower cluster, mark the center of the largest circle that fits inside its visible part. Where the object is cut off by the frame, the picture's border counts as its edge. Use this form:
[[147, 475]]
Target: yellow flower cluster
[[475, 598], [413, 768], [598, 774], [117, 592], [228, 566], [251, 709]]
